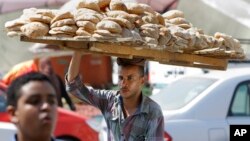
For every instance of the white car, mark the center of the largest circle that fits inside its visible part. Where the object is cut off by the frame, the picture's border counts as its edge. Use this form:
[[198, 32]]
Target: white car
[[7, 131], [202, 107]]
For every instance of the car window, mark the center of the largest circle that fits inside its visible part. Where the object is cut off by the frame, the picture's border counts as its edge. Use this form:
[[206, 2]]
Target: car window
[[241, 101], [181, 92]]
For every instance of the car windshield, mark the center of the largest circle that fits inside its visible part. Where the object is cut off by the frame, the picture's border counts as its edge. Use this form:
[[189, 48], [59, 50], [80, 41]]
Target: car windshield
[[181, 92]]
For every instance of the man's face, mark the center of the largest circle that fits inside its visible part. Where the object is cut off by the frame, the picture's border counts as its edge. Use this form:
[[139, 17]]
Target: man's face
[[130, 81], [36, 110], [45, 66]]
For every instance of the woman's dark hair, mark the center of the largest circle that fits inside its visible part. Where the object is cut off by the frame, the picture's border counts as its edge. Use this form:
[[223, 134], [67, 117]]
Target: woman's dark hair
[[13, 91]]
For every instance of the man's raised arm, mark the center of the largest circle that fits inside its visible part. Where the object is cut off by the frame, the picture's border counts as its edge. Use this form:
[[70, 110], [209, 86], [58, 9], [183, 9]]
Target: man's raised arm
[[74, 66]]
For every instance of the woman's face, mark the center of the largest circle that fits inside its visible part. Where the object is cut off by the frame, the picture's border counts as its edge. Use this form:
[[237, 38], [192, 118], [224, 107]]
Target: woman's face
[[36, 111]]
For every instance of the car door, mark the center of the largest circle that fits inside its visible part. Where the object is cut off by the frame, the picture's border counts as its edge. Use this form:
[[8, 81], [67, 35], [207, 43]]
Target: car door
[[239, 109]]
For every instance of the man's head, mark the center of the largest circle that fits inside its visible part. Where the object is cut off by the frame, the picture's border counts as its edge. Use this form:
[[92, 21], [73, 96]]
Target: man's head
[[32, 105], [131, 77], [45, 66]]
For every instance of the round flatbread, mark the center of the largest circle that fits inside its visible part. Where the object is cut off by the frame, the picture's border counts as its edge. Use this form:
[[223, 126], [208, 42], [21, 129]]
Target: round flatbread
[[91, 4], [111, 26], [117, 5], [88, 17], [173, 14], [66, 28], [138, 8], [35, 29], [40, 18], [45, 12], [121, 21], [82, 32], [106, 33], [62, 15], [87, 25], [62, 23], [16, 22], [103, 3]]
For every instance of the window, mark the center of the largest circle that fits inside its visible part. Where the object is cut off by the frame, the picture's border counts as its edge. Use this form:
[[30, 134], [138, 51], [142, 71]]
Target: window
[[241, 100], [179, 93]]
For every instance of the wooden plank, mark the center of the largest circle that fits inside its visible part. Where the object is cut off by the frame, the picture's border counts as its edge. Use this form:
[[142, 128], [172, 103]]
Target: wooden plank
[[162, 56], [125, 51], [196, 65], [51, 39], [72, 44], [52, 42]]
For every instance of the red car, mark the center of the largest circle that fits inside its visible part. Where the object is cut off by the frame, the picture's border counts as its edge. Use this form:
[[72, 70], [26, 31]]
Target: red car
[[70, 126]]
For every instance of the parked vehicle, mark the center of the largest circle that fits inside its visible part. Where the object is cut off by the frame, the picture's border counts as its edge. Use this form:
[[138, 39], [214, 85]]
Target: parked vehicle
[[7, 131], [70, 126], [160, 75], [202, 107]]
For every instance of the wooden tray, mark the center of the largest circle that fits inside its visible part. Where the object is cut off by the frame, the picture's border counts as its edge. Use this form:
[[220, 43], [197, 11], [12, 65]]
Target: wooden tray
[[126, 48]]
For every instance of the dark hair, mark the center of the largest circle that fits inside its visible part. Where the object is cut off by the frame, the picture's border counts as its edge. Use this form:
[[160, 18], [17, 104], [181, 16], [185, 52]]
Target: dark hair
[[13, 91], [141, 70], [140, 62]]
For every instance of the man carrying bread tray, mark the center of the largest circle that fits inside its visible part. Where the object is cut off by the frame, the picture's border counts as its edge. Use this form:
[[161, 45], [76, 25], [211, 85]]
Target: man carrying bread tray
[[130, 116]]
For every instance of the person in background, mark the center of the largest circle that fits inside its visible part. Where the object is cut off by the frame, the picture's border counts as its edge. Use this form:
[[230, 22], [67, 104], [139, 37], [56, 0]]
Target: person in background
[[3, 88], [32, 106], [130, 116], [44, 66]]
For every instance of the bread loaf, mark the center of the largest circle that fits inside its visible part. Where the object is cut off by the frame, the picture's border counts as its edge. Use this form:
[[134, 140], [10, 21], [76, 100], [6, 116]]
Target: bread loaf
[[111, 26], [35, 29]]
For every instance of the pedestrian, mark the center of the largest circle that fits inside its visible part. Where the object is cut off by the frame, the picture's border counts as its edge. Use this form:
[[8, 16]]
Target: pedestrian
[[32, 106], [130, 116], [44, 66]]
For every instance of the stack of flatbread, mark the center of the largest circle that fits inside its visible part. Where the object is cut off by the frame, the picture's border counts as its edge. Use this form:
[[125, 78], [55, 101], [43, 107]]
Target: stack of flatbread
[[116, 23], [187, 38], [39, 22], [181, 39], [88, 14], [104, 19], [14, 27], [228, 47], [63, 25], [148, 22], [33, 23]]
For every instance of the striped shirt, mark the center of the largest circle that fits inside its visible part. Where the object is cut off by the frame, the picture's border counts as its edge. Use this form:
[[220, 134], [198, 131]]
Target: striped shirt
[[146, 124]]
